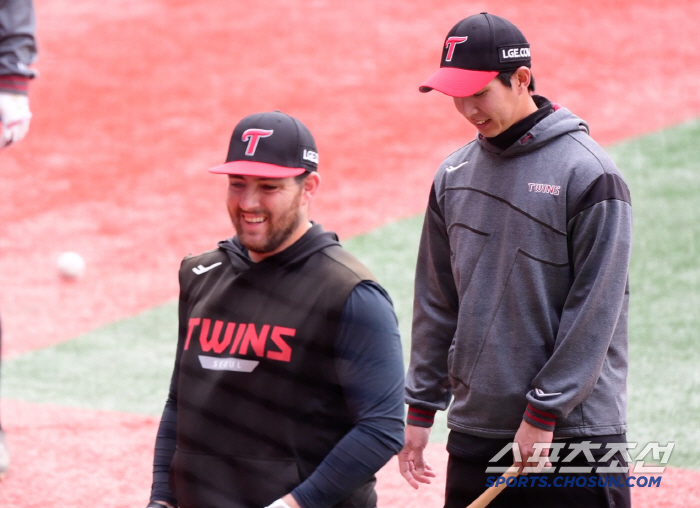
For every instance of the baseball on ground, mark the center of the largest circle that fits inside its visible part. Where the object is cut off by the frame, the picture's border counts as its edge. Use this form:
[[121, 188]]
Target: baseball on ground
[[71, 265]]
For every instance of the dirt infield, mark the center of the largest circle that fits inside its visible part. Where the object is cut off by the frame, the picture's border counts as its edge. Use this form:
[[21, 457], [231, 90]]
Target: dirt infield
[[137, 99], [80, 458]]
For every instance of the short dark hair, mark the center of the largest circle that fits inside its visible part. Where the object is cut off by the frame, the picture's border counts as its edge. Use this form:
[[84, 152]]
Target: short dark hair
[[299, 179], [505, 76]]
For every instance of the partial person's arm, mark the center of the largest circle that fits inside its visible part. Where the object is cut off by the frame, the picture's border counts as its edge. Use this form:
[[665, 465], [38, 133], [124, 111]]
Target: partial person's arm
[[369, 363], [167, 429], [435, 312], [163, 454], [590, 346], [18, 50]]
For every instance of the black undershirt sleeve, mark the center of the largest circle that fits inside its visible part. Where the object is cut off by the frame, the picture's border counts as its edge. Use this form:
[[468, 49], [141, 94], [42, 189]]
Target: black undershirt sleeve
[[165, 446], [163, 456], [369, 363]]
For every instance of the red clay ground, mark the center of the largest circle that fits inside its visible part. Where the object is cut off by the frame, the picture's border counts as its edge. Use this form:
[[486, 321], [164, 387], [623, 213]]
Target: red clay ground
[[111, 466], [137, 99]]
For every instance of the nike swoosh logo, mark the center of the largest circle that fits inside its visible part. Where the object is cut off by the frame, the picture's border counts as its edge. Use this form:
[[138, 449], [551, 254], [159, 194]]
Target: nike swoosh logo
[[199, 270], [450, 169], [540, 393]]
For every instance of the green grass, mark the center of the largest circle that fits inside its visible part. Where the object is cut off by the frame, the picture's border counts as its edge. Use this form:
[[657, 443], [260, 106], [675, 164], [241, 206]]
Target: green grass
[[390, 253], [125, 366], [664, 380]]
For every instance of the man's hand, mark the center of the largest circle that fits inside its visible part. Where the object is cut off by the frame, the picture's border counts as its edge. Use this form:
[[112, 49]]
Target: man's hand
[[532, 456], [412, 465], [287, 501], [14, 116], [159, 504]]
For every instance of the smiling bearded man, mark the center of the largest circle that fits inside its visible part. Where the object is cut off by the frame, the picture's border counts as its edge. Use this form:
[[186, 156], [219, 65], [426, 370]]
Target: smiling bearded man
[[288, 377]]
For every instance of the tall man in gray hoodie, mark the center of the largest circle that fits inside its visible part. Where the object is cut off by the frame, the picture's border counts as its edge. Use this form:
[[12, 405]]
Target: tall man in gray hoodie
[[521, 291]]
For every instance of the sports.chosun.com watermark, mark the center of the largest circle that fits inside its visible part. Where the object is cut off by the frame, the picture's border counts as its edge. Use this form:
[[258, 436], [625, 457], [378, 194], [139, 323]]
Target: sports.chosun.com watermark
[[574, 481], [633, 472]]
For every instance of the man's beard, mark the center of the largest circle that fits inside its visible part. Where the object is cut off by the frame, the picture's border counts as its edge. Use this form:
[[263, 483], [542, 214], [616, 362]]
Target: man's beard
[[279, 230]]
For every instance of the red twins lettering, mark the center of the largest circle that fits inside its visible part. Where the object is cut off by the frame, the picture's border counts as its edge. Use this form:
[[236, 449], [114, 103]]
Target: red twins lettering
[[248, 340], [450, 44], [252, 136]]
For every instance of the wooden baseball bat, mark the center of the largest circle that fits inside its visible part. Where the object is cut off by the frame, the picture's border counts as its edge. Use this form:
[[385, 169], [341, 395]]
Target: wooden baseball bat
[[490, 494]]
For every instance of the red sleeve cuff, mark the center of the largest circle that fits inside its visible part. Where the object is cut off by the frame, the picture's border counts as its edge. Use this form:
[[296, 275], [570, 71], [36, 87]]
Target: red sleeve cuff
[[14, 84], [540, 419], [420, 417]]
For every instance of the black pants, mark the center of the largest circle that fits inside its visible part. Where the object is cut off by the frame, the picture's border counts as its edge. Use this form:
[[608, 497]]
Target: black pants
[[467, 478]]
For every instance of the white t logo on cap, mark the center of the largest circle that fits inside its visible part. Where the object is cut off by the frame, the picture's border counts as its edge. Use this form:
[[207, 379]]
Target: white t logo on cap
[[252, 136], [450, 43]]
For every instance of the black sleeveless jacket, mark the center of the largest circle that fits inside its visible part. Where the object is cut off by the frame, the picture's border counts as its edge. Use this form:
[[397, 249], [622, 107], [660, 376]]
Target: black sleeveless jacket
[[259, 405]]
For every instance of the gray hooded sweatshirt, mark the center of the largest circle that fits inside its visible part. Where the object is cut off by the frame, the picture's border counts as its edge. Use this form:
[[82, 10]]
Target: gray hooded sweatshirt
[[521, 290]]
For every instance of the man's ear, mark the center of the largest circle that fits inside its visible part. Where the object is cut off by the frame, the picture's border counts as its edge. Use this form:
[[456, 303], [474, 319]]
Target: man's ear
[[311, 185], [522, 77]]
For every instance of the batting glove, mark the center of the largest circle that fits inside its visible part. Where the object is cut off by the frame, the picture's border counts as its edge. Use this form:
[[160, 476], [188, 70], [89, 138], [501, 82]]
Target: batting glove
[[14, 116]]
